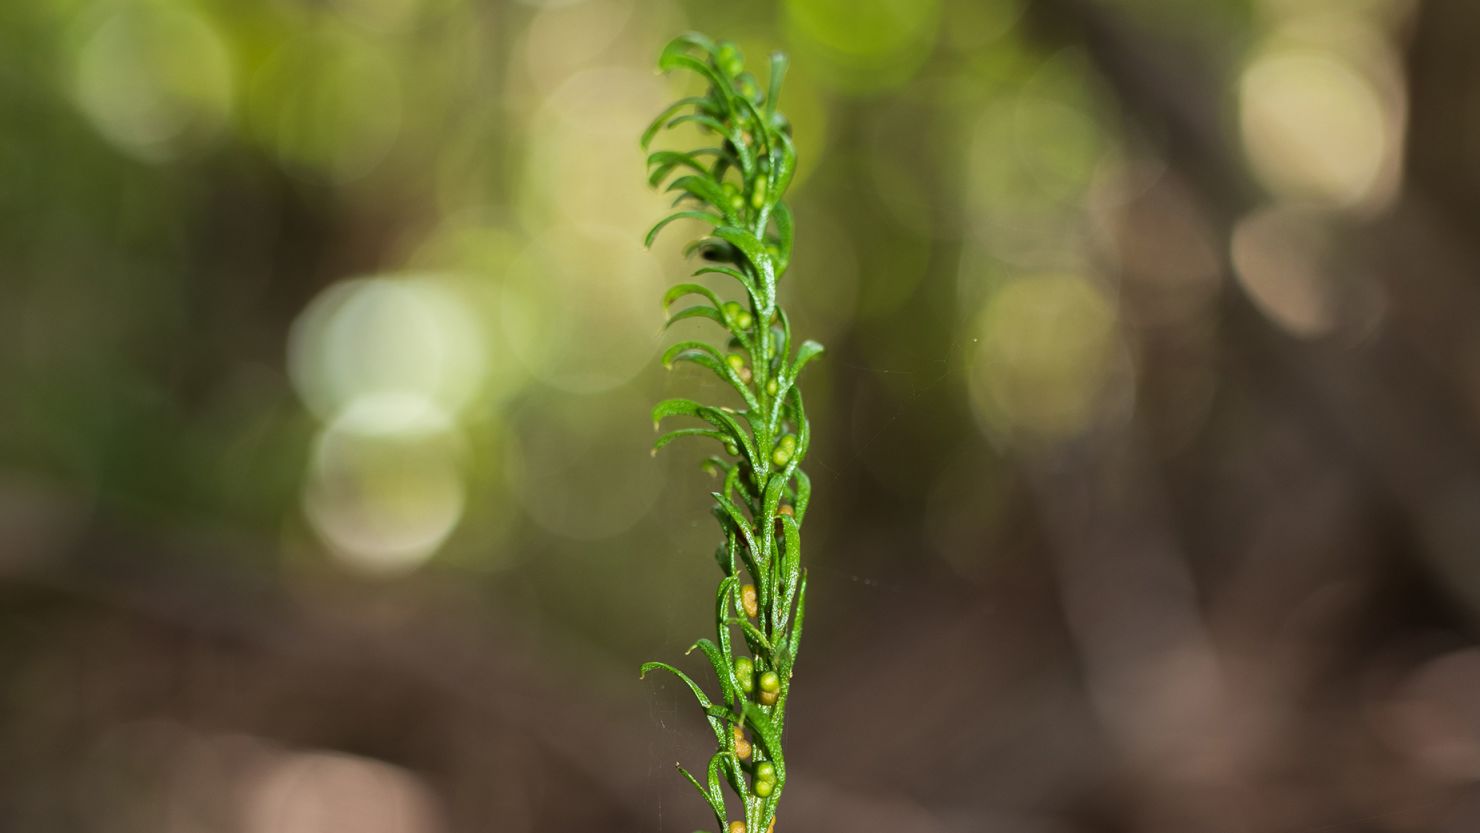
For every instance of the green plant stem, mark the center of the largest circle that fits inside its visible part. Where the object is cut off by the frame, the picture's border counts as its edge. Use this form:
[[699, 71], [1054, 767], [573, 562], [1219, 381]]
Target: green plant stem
[[763, 500]]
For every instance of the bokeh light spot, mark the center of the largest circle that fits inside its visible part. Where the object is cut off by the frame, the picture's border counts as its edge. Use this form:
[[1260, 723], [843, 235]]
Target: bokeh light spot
[[578, 309], [385, 487], [382, 335], [564, 39], [1314, 128], [328, 101], [1279, 257], [1434, 717], [1047, 349], [380, 15], [154, 78], [864, 45], [314, 792], [581, 151]]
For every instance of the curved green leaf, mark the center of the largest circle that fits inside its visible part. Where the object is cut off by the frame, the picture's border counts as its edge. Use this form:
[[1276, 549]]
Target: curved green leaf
[[718, 807], [803, 495], [696, 40], [755, 252], [714, 416], [785, 234], [770, 502], [758, 129], [791, 567], [804, 428], [670, 61], [732, 512], [680, 433], [782, 174], [778, 73], [706, 190], [675, 352], [669, 112], [680, 215], [679, 290], [794, 640], [722, 670], [722, 600], [759, 644], [705, 355], [674, 407], [717, 795], [806, 353], [699, 311], [704, 702], [744, 280], [765, 731], [662, 162], [737, 145]]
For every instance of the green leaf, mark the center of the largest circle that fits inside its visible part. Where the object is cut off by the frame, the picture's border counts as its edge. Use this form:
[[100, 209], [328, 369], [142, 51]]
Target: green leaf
[[783, 349], [722, 670], [680, 215], [674, 407], [670, 61], [705, 355], [669, 112], [732, 512], [718, 807], [718, 417], [704, 702], [757, 641], [771, 500], [699, 311], [722, 600], [758, 126], [778, 73], [727, 563], [806, 353], [705, 190], [783, 173], [680, 433], [680, 290], [687, 40], [714, 416], [737, 146], [755, 252], [750, 288], [717, 796], [765, 731], [662, 163], [791, 566], [734, 483], [762, 433], [775, 487], [794, 641], [804, 428], [785, 233], [803, 495], [676, 352]]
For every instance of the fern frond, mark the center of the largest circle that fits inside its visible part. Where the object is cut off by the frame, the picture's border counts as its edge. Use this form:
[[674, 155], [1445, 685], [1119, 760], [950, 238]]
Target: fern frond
[[739, 193]]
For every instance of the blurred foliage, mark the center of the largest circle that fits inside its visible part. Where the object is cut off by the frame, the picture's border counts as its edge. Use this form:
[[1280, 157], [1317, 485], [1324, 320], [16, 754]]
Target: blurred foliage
[[337, 305], [236, 234]]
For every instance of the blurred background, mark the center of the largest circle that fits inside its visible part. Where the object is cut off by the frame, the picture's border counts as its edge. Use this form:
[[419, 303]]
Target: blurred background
[[1147, 455]]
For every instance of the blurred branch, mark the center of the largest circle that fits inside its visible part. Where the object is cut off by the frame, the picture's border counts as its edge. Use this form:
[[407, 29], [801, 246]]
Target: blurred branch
[[1382, 407], [1173, 98]]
